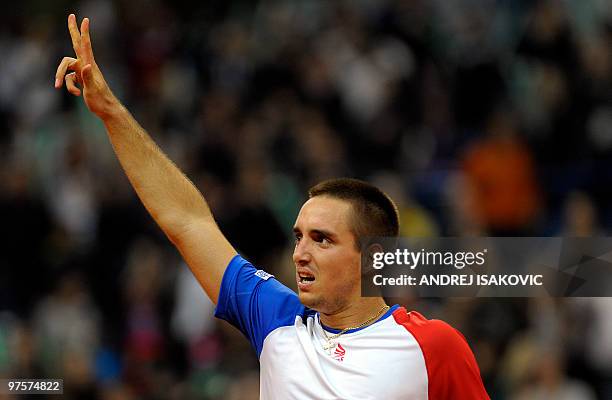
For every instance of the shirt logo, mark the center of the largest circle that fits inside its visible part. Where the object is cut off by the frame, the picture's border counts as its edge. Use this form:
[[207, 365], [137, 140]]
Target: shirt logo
[[263, 274], [339, 353]]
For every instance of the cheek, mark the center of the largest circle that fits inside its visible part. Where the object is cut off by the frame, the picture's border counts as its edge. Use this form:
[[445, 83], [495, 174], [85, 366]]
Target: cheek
[[340, 269]]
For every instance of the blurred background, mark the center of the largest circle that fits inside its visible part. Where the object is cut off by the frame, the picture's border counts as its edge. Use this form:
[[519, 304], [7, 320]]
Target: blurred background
[[479, 117]]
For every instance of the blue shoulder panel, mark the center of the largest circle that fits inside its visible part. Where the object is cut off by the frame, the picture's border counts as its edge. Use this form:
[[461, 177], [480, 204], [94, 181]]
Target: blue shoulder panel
[[255, 302]]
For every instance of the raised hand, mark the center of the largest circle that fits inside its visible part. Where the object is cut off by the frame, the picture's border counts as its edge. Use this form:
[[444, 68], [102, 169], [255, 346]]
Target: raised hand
[[85, 72]]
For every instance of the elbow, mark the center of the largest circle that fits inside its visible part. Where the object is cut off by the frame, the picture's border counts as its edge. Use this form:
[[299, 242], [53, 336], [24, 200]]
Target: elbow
[[178, 229]]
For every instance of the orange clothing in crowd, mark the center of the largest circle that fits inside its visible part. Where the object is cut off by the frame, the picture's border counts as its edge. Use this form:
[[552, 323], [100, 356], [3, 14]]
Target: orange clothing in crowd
[[501, 173]]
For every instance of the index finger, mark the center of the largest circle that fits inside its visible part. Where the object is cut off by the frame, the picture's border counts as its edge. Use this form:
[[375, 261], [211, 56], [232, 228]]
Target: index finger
[[74, 34], [87, 51]]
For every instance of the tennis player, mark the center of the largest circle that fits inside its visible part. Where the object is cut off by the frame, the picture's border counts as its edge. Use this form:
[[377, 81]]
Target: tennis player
[[327, 341]]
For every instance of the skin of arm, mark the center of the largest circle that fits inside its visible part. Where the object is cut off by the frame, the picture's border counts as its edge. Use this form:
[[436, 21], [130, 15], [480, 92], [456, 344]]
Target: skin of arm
[[168, 195]]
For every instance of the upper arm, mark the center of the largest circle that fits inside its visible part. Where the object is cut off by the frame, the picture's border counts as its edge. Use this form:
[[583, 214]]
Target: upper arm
[[452, 371], [451, 365], [255, 302], [207, 252]]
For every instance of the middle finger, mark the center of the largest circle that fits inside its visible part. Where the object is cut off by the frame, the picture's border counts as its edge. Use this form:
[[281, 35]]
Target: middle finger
[[74, 34]]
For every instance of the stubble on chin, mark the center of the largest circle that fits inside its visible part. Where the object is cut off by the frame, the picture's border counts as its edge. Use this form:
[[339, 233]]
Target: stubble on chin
[[334, 302]]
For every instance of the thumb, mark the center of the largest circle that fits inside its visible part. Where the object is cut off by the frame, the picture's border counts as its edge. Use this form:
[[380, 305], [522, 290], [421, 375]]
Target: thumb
[[87, 75]]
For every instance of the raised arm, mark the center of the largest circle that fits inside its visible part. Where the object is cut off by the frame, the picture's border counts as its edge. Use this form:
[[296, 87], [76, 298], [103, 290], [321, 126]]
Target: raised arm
[[172, 200]]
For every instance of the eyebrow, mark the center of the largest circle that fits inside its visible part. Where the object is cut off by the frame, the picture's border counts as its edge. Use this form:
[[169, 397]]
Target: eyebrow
[[323, 232]]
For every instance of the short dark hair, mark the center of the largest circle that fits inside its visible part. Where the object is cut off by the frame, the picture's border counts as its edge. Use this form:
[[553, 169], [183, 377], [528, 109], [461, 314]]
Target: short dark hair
[[374, 213]]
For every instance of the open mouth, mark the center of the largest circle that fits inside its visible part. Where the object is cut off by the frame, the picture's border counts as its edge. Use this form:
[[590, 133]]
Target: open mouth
[[305, 278]]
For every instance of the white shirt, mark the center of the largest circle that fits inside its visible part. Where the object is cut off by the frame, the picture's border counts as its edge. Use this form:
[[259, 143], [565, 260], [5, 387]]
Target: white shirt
[[401, 356]]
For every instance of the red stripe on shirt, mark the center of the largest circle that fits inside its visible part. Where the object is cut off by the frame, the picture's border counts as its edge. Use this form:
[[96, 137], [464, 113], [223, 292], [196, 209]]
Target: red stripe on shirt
[[452, 371]]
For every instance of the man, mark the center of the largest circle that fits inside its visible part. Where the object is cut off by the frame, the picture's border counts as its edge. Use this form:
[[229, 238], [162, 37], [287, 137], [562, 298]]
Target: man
[[327, 342]]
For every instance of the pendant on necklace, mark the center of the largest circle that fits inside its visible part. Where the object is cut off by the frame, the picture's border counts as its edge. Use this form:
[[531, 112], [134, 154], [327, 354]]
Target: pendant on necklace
[[329, 347]]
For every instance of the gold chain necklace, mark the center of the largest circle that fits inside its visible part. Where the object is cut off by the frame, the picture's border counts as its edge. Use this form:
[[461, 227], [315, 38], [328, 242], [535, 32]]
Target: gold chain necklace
[[330, 345]]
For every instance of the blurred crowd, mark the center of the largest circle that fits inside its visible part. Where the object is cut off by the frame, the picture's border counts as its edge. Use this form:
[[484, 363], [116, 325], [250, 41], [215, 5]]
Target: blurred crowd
[[479, 117]]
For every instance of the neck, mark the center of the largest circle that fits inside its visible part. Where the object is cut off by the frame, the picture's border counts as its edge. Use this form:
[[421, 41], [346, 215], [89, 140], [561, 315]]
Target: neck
[[354, 315]]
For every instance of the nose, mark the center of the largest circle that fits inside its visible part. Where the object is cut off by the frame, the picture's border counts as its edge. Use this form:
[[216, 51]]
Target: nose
[[301, 253]]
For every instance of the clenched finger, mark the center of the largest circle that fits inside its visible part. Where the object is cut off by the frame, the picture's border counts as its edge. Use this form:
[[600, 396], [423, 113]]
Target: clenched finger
[[71, 84], [86, 50], [74, 34], [65, 64]]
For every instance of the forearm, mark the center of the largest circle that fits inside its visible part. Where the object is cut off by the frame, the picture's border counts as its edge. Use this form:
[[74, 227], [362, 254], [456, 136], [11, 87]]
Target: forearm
[[168, 195], [171, 199]]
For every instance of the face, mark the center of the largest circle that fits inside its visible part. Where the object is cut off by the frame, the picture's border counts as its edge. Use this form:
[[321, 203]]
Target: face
[[328, 265]]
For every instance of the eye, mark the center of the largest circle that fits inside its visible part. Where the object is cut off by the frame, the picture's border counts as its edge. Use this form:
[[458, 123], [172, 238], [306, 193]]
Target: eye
[[322, 239], [298, 237]]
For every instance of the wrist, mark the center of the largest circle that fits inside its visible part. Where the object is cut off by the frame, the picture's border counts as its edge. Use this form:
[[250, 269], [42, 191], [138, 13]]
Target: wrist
[[112, 111]]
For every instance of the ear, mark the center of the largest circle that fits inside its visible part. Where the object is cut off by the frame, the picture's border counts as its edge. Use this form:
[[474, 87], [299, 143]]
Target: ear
[[374, 248], [368, 271], [368, 257]]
